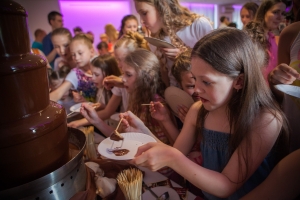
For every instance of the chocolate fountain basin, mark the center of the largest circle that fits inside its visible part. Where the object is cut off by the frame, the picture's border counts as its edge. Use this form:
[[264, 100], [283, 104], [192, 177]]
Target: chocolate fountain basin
[[62, 183]]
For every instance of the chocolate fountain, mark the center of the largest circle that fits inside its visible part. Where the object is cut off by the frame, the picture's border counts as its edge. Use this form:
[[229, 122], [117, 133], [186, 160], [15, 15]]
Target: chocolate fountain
[[34, 138]]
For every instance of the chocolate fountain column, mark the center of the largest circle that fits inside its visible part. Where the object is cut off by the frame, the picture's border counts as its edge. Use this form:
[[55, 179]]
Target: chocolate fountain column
[[33, 130]]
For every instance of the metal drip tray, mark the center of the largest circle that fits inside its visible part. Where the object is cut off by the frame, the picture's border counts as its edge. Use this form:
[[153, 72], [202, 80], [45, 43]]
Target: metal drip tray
[[62, 183]]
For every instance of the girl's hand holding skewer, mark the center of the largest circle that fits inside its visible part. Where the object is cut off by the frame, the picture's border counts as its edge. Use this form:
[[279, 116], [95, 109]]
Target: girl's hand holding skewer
[[112, 81], [159, 111]]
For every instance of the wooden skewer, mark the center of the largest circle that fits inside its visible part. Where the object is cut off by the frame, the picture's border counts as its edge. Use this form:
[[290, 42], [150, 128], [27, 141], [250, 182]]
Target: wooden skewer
[[146, 104], [119, 123]]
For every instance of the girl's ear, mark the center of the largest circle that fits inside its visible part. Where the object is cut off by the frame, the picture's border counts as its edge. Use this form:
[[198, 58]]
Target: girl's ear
[[239, 82]]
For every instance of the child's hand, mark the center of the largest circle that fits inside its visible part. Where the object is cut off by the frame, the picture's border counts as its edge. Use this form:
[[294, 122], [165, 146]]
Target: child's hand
[[112, 81], [159, 111], [77, 96], [171, 53], [283, 74], [131, 122], [75, 124], [155, 156], [89, 113], [182, 111]]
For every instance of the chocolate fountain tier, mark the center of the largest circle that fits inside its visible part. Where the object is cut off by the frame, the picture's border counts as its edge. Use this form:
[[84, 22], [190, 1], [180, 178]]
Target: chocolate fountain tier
[[33, 146], [23, 85]]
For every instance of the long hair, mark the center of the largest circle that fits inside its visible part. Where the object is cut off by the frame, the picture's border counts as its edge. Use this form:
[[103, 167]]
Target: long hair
[[123, 23], [174, 18], [147, 83], [108, 66], [232, 52], [264, 7], [252, 8], [111, 32]]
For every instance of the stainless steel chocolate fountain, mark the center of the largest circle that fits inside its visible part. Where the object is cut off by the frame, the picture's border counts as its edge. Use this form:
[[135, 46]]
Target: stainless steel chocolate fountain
[[40, 157]]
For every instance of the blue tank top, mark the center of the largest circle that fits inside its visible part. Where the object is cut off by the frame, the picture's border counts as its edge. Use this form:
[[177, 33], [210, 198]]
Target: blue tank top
[[215, 155]]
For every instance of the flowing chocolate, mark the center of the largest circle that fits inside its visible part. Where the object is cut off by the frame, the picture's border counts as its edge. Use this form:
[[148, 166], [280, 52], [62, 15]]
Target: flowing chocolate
[[33, 130], [120, 152]]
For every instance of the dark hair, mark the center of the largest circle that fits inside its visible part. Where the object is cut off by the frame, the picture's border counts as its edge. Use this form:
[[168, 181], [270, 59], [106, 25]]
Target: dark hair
[[52, 15], [108, 66], [37, 32], [238, 55], [251, 7], [61, 73], [123, 22], [102, 45], [182, 64], [232, 24], [222, 19], [77, 28], [263, 9]]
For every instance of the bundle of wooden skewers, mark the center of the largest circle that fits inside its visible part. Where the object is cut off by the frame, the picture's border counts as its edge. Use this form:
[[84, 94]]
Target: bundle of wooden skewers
[[130, 182]]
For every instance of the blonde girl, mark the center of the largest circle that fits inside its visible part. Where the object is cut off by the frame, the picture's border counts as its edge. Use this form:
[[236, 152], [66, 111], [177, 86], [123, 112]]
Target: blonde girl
[[80, 78], [101, 67], [243, 130], [128, 43], [169, 21], [61, 39]]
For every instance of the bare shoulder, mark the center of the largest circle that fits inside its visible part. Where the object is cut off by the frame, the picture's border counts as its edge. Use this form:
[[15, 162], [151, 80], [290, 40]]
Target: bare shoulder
[[268, 122], [290, 32], [192, 114]]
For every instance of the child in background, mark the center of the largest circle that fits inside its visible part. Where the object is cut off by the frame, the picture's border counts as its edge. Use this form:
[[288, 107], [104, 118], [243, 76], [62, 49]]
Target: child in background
[[102, 48], [270, 14], [128, 23], [242, 128], [102, 66], [248, 12], [140, 76], [61, 39], [56, 78], [169, 21], [39, 35], [80, 78], [128, 43]]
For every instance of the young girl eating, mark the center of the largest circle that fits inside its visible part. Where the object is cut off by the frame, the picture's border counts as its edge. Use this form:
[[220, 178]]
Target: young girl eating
[[169, 21], [242, 128], [80, 78], [101, 67], [128, 43]]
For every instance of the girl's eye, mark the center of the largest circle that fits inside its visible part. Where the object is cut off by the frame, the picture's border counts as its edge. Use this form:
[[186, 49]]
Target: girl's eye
[[206, 83], [66, 45], [144, 13], [128, 75]]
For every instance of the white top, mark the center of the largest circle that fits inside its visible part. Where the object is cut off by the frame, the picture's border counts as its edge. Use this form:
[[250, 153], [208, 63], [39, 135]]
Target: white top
[[189, 35], [222, 25], [125, 97], [72, 78]]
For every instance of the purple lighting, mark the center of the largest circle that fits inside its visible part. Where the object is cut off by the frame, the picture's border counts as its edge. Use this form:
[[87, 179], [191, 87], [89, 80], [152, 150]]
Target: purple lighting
[[93, 15]]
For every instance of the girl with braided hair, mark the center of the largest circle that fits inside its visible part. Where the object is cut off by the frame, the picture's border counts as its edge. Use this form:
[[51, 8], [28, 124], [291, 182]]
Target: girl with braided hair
[[169, 21]]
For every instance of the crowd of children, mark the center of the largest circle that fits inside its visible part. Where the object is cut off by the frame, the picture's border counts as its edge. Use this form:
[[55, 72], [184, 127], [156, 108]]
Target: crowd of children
[[240, 131]]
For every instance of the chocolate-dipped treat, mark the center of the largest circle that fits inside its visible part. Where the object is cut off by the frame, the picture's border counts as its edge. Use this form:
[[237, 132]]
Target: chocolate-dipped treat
[[33, 130]]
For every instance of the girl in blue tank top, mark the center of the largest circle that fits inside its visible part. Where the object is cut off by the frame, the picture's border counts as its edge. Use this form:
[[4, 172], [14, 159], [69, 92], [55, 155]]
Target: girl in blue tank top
[[242, 129]]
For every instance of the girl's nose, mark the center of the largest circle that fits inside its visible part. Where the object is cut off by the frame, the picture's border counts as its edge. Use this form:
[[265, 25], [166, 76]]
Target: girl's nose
[[123, 80]]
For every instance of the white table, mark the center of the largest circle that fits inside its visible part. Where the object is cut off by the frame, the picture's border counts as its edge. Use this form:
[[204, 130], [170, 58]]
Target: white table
[[152, 177]]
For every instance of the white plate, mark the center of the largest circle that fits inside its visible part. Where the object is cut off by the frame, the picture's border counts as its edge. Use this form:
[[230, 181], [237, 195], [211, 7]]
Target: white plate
[[131, 142], [159, 43], [289, 89], [159, 191], [175, 97], [75, 108]]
